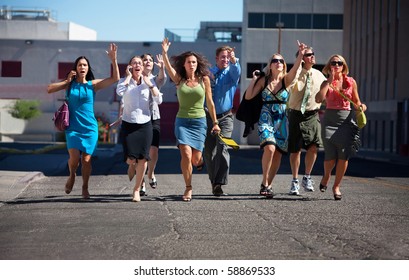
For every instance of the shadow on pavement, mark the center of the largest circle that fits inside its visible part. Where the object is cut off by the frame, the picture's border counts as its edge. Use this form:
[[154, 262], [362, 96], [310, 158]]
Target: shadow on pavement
[[51, 160]]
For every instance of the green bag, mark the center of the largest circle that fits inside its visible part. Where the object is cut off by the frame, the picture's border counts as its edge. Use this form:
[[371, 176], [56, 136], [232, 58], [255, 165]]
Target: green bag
[[360, 118], [360, 114]]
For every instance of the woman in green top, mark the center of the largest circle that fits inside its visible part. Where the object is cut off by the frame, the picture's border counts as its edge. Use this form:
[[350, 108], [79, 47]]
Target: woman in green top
[[190, 73]]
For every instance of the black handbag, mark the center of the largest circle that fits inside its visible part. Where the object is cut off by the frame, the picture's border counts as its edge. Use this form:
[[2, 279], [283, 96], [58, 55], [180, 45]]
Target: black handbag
[[249, 110]]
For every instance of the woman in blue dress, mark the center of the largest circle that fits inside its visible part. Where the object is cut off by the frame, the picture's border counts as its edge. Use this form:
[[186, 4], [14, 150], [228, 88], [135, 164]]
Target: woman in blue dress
[[273, 124], [82, 134]]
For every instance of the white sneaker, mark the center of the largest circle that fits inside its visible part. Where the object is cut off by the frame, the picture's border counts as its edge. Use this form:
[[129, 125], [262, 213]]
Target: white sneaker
[[307, 184], [294, 188]]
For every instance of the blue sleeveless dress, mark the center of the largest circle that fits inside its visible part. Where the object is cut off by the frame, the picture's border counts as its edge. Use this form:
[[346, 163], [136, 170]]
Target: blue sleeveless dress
[[82, 134], [273, 123]]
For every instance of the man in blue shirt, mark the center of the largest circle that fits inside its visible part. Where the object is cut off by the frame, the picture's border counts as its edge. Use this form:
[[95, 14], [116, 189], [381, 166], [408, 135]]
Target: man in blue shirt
[[225, 78]]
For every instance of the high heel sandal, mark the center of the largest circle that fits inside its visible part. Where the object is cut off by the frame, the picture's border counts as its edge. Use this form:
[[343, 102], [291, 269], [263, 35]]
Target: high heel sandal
[[323, 188], [187, 196], [337, 196], [266, 191], [153, 183]]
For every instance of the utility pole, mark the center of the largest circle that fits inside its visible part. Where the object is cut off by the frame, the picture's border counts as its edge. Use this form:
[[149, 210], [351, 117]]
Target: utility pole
[[279, 25]]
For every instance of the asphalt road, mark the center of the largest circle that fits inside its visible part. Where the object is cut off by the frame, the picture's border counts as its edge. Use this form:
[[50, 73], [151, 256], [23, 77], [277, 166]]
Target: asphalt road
[[42, 222]]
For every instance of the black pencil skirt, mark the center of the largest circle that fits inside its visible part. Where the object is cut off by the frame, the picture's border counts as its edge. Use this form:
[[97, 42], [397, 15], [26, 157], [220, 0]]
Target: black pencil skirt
[[137, 139]]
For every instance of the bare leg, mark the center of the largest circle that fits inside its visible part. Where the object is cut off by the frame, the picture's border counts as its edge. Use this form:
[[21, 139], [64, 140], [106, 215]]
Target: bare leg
[[295, 163], [131, 168], [186, 153], [154, 154], [310, 158], [340, 170], [186, 163], [274, 167], [328, 166], [140, 166], [266, 162], [73, 163], [86, 174]]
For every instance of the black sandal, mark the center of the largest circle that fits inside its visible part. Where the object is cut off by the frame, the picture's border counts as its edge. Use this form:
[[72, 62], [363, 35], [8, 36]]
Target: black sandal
[[266, 191], [337, 196], [323, 188], [263, 190]]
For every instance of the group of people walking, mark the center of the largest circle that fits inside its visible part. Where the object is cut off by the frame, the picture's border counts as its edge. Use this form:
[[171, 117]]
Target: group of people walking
[[288, 118]]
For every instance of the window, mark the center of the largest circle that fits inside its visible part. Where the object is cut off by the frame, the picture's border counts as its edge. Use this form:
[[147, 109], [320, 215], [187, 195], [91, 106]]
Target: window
[[288, 20], [304, 21], [320, 21], [63, 69], [335, 21], [256, 20], [299, 21], [11, 69], [271, 20], [251, 67]]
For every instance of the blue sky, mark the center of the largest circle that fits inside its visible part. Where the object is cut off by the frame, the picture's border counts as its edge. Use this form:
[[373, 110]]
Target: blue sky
[[133, 20]]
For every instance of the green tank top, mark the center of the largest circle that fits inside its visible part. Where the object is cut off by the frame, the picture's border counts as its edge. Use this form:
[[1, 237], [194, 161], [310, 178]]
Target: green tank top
[[191, 101]]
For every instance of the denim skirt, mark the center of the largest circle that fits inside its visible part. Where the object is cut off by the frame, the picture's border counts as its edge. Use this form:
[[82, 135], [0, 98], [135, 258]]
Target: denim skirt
[[191, 132]]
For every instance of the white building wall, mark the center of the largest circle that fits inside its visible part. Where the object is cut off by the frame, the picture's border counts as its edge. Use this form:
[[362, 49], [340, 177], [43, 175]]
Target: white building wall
[[78, 32], [45, 30]]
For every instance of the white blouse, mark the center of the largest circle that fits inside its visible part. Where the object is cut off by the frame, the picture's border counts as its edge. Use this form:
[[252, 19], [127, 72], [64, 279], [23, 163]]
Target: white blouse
[[137, 101]]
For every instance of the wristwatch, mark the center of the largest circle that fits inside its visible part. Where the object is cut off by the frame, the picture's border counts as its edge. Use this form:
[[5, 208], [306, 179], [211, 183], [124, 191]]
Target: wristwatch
[[215, 122]]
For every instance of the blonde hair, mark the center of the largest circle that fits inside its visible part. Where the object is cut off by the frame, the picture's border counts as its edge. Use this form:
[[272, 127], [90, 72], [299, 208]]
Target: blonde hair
[[327, 68], [267, 69]]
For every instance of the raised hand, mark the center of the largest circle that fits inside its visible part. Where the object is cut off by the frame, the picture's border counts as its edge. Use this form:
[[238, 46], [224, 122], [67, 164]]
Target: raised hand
[[232, 56], [112, 51], [165, 45], [301, 47], [160, 63]]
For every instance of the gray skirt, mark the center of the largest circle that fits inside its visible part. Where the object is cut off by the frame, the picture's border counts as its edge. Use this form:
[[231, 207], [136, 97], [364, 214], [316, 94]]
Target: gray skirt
[[340, 134]]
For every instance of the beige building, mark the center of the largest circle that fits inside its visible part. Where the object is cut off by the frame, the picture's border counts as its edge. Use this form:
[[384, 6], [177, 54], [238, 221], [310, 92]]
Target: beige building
[[376, 49]]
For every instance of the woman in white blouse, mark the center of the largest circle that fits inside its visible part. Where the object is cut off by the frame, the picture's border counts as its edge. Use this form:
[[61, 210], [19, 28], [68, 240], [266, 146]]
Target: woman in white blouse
[[137, 91]]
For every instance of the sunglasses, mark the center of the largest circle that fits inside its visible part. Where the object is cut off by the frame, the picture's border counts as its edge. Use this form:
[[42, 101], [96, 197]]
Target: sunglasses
[[275, 60], [335, 63], [309, 54]]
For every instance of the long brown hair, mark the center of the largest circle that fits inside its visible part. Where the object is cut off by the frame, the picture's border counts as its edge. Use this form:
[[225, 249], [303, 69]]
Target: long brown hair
[[178, 63]]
